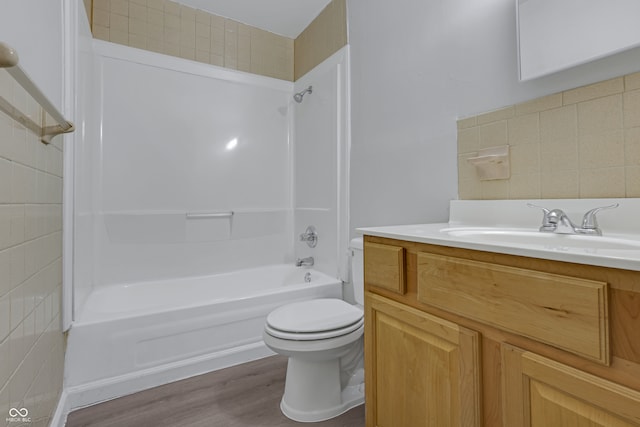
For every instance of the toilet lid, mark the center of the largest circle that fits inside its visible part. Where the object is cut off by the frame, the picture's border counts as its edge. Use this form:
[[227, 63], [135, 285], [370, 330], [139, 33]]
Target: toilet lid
[[315, 336], [317, 315]]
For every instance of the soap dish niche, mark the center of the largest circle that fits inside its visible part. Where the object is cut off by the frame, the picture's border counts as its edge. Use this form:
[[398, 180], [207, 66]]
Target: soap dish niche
[[492, 163]]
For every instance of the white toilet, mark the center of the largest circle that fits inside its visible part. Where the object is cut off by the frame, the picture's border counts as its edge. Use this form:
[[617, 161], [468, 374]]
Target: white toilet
[[323, 339]]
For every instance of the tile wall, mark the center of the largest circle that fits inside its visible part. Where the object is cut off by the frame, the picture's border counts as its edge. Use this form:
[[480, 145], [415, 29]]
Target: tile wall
[[167, 27], [322, 38], [31, 341], [580, 143], [88, 9]]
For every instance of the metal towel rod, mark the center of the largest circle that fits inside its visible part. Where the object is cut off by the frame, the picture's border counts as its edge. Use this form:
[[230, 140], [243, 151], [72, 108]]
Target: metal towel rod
[[9, 60], [210, 215]]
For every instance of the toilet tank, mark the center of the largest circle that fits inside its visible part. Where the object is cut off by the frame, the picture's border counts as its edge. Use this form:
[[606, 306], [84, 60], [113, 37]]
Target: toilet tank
[[357, 269]]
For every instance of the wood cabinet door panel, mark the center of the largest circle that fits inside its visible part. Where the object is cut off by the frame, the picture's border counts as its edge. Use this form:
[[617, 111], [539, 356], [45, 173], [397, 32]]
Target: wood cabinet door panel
[[422, 371], [539, 392], [552, 407]]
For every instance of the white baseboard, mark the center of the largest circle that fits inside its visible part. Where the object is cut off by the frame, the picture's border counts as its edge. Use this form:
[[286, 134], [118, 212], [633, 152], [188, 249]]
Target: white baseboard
[[59, 418], [88, 394]]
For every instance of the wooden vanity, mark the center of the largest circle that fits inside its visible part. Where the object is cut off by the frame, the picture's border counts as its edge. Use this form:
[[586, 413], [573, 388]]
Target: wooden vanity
[[462, 337]]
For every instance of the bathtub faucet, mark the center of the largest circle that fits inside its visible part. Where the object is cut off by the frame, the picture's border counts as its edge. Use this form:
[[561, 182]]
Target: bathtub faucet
[[304, 262]]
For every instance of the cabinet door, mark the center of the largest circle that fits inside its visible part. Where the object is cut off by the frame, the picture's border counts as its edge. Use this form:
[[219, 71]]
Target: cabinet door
[[421, 371], [539, 392]]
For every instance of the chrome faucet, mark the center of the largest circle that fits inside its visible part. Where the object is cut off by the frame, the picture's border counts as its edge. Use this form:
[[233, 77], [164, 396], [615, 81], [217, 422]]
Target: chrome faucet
[[557, 221], [304, 262]]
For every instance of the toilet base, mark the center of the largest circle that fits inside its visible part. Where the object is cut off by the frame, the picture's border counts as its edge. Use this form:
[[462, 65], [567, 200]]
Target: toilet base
[[316, 396]]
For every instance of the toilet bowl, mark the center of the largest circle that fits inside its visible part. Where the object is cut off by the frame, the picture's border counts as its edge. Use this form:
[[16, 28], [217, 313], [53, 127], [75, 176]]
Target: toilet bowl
[[323, 339]]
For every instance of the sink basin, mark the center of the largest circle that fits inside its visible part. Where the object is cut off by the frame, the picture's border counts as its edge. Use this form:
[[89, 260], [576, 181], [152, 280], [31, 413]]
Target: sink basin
[[547, 240]]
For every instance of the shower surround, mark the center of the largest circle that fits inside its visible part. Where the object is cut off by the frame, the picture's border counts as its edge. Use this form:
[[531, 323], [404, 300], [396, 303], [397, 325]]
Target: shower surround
[[179, 138], [190, 174]]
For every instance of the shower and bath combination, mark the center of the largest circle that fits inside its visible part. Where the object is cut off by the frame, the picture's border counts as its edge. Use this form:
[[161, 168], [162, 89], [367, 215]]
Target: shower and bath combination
[[298, 96]]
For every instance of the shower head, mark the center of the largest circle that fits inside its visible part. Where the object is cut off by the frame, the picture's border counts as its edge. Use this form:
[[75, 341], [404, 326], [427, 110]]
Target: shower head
[[298, 96]]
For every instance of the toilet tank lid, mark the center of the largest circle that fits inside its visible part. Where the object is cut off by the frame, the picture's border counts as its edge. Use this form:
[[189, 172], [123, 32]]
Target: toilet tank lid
[[356, 243]]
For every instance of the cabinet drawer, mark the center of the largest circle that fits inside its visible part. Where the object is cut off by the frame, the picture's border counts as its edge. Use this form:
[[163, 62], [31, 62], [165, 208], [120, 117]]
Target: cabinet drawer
[[566, 312], [384, 267]]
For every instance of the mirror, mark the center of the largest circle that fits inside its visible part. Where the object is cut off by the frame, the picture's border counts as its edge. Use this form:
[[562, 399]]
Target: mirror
[[557, 34]]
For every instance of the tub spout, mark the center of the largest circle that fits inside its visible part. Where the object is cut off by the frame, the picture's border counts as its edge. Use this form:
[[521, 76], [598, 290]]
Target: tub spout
[[304, 262]]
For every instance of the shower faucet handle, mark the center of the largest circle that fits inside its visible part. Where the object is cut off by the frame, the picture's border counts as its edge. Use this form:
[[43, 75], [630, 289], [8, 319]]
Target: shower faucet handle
[[310, 236]]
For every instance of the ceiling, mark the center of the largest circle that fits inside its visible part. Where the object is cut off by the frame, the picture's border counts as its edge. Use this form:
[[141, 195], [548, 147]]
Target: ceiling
[[284, 17]]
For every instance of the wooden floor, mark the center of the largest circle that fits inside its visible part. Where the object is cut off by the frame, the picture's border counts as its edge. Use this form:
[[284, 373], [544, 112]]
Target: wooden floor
[[246, 395]]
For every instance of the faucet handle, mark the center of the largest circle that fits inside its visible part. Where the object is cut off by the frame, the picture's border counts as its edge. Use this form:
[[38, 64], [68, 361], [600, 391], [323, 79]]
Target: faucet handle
[[547, 223], [589, 220], [310, 236]]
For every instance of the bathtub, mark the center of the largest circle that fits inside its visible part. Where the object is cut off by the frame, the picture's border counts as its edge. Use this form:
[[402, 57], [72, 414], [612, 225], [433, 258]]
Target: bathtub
[[135, 336]]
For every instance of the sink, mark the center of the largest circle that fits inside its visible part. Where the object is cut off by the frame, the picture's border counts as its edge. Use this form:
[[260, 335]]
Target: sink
[[552, 241]]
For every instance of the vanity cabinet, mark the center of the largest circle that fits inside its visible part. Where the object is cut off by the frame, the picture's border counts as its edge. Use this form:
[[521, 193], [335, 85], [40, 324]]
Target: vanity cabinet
[[459, 337]]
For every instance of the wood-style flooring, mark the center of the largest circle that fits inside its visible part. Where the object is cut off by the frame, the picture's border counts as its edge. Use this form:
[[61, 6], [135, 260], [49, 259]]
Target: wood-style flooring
[[246, 395]]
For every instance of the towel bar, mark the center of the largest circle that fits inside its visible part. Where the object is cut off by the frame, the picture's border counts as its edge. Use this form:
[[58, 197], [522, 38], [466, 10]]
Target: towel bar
[[9, 61]]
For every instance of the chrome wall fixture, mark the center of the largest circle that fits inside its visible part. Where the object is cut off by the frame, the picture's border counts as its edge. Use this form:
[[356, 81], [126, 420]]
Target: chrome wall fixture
[[310, 236], [298, 96], [9, 61]]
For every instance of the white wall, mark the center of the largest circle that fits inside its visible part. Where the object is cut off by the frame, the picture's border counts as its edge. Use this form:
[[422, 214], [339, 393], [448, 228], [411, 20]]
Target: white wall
[[418, 66], [162, 153], [37, 37]]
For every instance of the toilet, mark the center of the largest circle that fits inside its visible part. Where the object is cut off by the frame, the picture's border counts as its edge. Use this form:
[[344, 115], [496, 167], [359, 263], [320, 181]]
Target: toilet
[[323, 339]]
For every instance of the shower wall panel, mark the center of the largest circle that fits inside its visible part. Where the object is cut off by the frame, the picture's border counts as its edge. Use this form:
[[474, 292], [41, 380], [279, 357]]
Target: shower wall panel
[[177, 138], [85, 153], [321, 162]]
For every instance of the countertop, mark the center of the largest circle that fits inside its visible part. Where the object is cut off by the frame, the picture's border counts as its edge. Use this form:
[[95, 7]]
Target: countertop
[[616, 248]]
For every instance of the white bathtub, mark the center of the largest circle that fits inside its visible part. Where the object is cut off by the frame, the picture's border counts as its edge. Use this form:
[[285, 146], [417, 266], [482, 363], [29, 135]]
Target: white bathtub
[[135, 336]]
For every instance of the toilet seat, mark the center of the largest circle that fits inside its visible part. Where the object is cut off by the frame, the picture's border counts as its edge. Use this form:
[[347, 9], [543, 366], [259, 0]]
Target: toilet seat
[[314, 320], [311, 336]]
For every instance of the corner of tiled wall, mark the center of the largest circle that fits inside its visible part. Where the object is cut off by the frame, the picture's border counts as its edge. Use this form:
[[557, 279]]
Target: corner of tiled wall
[[324, 36], [580, 143], [88, 7], [31, 340], [167, 27]]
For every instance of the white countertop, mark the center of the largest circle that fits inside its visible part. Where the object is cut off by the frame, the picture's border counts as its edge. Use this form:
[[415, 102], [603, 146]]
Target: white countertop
[[619, 226]]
